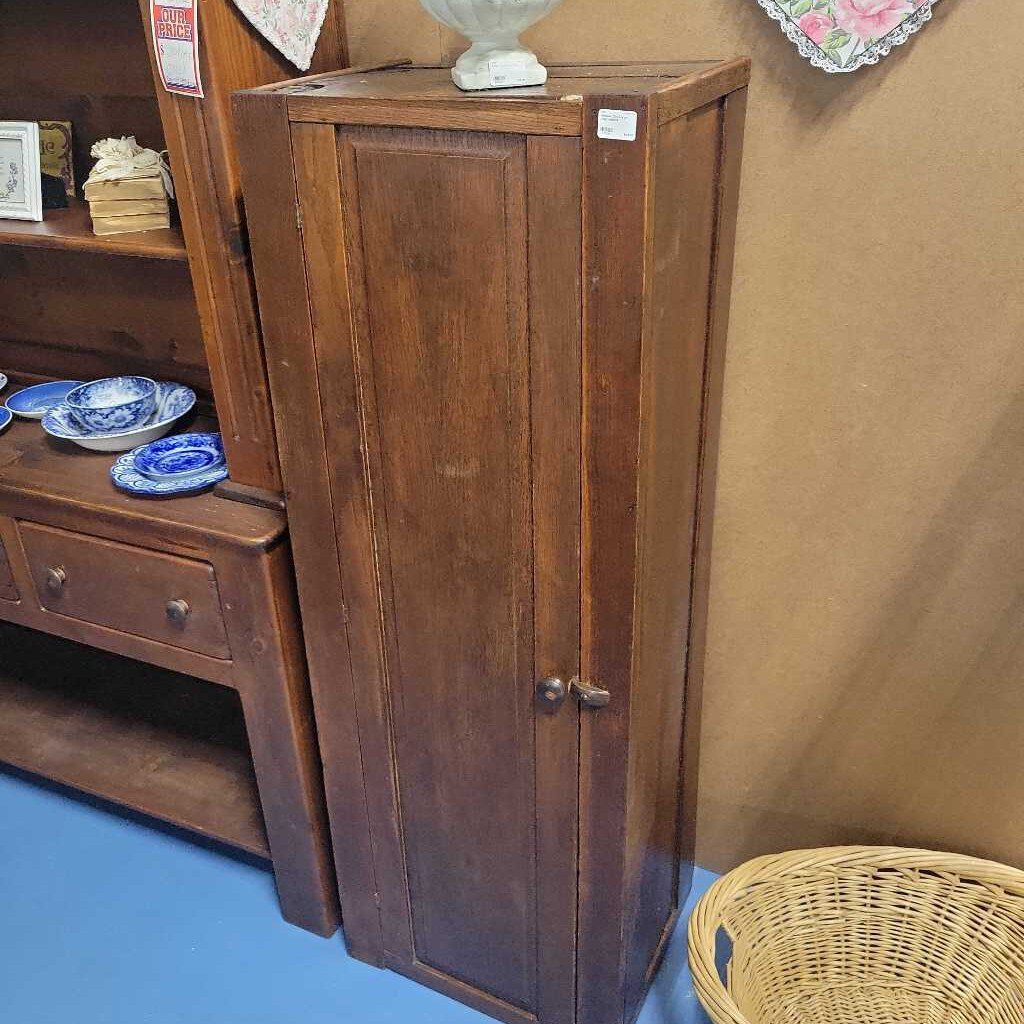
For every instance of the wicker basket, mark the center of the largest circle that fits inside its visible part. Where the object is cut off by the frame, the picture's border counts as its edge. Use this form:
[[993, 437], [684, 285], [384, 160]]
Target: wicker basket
[[862, 935]]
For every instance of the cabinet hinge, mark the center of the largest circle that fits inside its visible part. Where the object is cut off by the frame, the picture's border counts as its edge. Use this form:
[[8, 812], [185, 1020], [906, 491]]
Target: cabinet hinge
[[298, 214]]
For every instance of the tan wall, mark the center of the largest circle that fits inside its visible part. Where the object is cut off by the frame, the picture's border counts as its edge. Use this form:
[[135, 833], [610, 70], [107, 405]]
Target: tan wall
[[866, 638]]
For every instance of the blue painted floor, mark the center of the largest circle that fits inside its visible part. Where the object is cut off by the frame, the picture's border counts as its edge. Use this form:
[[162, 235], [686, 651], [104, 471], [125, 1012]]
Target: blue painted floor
[[106, 920]]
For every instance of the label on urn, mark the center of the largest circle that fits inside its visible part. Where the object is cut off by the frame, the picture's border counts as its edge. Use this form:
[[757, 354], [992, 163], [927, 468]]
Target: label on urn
[[507, 73]]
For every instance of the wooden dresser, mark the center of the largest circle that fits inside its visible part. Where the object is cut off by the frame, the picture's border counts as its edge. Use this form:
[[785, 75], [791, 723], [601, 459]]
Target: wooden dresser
[[150, 651], [495, 326]]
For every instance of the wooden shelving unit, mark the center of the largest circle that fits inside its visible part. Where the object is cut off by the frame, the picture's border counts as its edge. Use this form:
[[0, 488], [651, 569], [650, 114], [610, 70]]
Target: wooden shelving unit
[[199, 720], [145, 738], [71, 229]]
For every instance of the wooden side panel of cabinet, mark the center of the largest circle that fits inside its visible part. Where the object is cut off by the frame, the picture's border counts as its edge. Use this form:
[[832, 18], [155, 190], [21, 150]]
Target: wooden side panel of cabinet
[[684, 155], [280, 261], [201, 142], [644, 456]]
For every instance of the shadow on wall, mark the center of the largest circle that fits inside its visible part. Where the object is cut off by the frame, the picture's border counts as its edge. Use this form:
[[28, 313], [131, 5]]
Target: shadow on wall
[[883, 752]]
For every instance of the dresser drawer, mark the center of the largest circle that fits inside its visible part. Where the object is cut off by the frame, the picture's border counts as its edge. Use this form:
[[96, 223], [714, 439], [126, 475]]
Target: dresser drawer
[[8, 591], [133, 590]]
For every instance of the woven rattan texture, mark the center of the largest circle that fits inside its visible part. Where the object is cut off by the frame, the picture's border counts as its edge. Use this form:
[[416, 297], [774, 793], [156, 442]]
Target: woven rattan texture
[[862, 935]]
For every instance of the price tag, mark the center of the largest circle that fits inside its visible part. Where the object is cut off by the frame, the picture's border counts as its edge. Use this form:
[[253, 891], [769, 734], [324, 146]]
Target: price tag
[[176, 41], [505, 74], [616, 124]]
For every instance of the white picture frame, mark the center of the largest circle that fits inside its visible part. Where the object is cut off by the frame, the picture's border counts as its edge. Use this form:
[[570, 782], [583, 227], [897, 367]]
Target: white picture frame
[[21, 185]]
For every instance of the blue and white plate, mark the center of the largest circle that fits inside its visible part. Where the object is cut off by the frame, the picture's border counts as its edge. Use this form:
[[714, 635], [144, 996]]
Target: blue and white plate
[[126, 475], [172, 402], [180, 457], [33, 403], [5, 419]]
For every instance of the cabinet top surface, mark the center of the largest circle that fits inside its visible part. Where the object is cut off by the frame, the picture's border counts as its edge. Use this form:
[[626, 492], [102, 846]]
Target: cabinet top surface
[[36, 466], [427, 95]]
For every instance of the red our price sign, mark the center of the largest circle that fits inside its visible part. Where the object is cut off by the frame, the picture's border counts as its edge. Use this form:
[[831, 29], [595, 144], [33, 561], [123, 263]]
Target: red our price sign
[[176, 41]]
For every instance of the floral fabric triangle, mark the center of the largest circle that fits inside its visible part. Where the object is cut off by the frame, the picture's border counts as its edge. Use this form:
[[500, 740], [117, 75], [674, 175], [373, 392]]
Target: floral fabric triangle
[[293, 26], [843, 35]]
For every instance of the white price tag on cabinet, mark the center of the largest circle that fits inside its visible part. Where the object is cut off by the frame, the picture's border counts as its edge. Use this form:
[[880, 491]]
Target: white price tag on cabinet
[[616, 124], [504, 74]]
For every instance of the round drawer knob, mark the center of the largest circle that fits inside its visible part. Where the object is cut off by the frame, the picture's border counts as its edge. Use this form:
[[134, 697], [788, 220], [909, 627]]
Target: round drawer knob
[[56, 577], [178, 611]]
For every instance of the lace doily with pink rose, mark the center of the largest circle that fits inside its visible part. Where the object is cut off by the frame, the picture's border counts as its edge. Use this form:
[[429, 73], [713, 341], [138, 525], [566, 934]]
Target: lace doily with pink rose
[[843, 35], [293, 26]]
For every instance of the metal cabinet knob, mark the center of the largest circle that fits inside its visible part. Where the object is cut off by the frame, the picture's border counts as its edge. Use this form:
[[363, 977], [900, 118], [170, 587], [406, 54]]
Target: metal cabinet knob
[[178, 611], [56, 577], [551, 692]]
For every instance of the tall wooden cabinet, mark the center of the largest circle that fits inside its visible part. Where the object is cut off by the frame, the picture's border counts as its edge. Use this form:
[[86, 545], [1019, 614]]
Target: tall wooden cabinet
[[495, 326]]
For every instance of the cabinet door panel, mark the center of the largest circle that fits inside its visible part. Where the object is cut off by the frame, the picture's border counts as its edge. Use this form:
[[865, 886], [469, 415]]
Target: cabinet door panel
[[453, 555]]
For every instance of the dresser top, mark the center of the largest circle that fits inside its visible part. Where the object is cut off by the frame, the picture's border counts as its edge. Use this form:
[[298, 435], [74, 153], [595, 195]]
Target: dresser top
[[406, 94]]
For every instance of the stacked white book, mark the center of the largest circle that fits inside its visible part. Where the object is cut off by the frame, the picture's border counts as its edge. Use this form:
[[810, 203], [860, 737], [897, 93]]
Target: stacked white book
[[127, 189]]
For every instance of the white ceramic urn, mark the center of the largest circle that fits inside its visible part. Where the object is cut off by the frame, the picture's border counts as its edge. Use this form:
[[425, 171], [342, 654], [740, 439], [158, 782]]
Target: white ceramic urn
[[496, 60]]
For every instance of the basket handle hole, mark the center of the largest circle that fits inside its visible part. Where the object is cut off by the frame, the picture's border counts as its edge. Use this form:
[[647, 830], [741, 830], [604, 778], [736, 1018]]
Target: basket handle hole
[[723, 954]]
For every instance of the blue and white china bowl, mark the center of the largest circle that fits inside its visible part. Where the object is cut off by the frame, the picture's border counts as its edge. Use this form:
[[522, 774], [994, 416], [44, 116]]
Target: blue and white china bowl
[[3, 381], [34, 402], [126, 475], [114, 403], [180, 457], [172, 402], [5, 419]]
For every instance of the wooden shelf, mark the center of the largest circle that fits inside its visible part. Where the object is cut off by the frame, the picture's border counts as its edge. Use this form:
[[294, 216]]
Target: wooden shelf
[[145, 738], [72, 229], [34, 466]]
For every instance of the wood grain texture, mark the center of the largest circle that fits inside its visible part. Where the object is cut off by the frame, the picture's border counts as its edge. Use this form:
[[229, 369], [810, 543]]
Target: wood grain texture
[[677, 301], [38, 473], [451, 529], [506, 333], [155, 741], [616, 265], [266, 150], [553, 119], [87, 66], [461, 459], [554, 169], [8, 588], [733, 119], [261, 614], [75, 305], [426, 97], [30, 611], [71, 228], [311, 83], [200, 138], [329, 269], [136, 556], [680, 97], [81, 315], [126, 588]]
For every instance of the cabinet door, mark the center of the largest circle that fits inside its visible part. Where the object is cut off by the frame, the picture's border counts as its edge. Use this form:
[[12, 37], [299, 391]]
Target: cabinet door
[[443, 274]]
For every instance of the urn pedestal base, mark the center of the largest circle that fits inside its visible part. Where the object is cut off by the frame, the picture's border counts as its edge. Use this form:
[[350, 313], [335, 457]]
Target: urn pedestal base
[[498, 67]]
